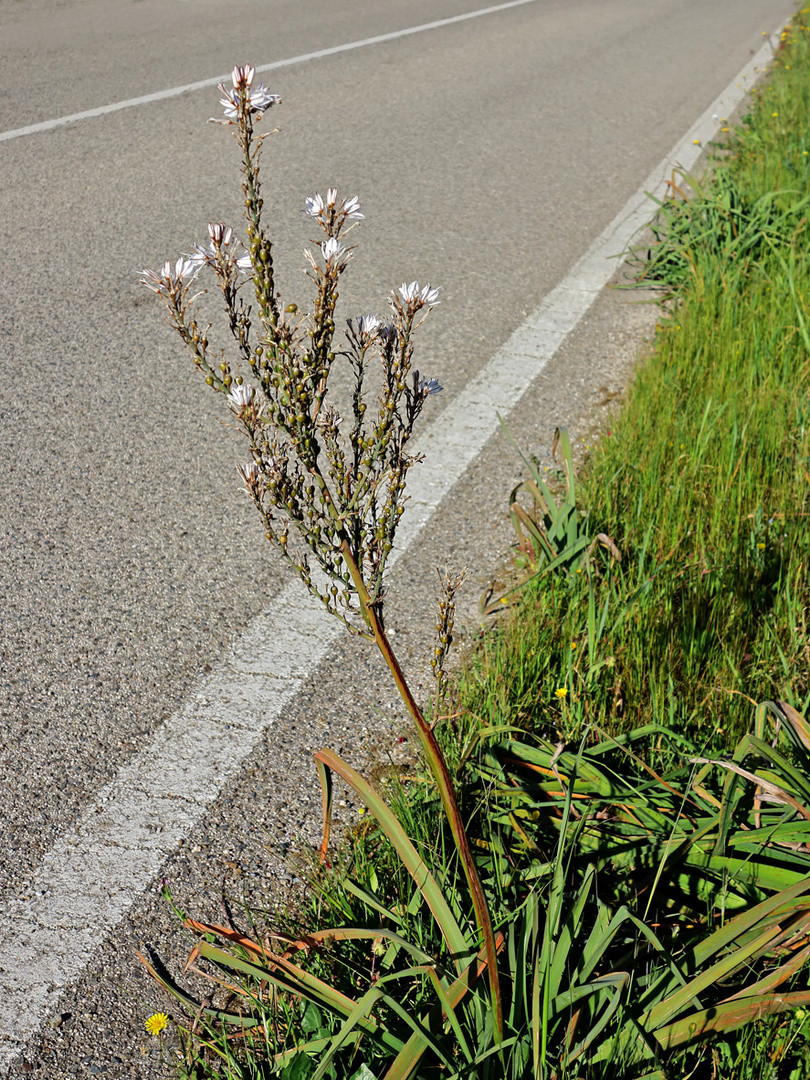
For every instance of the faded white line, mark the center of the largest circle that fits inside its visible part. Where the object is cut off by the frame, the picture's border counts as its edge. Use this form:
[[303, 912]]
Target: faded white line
[[202, 84], [91, 876]]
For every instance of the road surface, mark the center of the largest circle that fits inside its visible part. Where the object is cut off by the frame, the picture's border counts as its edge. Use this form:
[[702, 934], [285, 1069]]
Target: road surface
[[488, 154]]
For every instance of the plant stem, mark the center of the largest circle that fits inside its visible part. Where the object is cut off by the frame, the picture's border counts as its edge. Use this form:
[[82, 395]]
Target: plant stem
[[441, 774]]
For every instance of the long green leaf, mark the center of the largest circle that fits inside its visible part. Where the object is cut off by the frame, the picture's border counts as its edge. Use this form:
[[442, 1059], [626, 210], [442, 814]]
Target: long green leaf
[[728, 1016], [411, 859]]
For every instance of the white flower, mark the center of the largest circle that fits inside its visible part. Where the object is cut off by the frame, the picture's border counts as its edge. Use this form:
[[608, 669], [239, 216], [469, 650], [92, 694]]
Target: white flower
[[230, 102], [258, 100], [409, 292], [240, 396], [368, 325], [351, 208], [242, 77], [168, 280], [430, 386], [221, 238], [416, 298], [261, 99], [220, 234], [335, 253], [314, 205], [250, 474]]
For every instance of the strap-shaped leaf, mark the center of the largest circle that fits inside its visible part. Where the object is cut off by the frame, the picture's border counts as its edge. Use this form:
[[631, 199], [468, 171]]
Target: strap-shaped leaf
[[728, 1016], [411, 859]]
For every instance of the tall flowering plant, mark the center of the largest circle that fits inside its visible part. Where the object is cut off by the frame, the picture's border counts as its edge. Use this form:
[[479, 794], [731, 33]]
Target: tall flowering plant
[[330, 489]]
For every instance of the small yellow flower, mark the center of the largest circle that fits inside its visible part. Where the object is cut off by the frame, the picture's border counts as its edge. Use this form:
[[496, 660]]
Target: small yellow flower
[[562, 693], [696, 142], [724, 129], [155, 1023], [774, 115], [574, 644], [761, 547]]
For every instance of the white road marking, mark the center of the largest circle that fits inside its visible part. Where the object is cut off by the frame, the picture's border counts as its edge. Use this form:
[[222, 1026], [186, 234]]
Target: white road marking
[[89, 879], [202, 84]]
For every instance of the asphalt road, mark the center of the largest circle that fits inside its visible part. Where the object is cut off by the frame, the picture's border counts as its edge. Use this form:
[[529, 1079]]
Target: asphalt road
[[487, 155]]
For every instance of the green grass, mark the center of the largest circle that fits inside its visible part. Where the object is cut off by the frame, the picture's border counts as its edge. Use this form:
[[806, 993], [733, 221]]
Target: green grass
[[702, 482]]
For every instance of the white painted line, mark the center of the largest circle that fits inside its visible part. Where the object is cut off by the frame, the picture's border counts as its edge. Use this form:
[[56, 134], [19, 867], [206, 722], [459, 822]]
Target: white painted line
[[202, 84], [91, 876]]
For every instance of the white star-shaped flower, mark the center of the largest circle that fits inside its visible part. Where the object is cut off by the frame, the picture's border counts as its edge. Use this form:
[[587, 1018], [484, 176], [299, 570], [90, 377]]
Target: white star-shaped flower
[[258, 100], [351, 208], [240, 396], [416, 298], [335, 253], [368, 325], [430, 386], [250, 473], [168, 279], [314, 205]]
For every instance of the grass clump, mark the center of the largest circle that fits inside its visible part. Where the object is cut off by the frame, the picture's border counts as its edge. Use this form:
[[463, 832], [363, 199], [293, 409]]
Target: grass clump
[[701, 482]]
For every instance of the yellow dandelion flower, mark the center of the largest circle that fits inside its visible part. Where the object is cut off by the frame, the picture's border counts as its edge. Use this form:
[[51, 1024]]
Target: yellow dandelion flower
[[155, 1023], [761, 547], [774, 115], [574, 644], [562, 693], [696, 142]]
